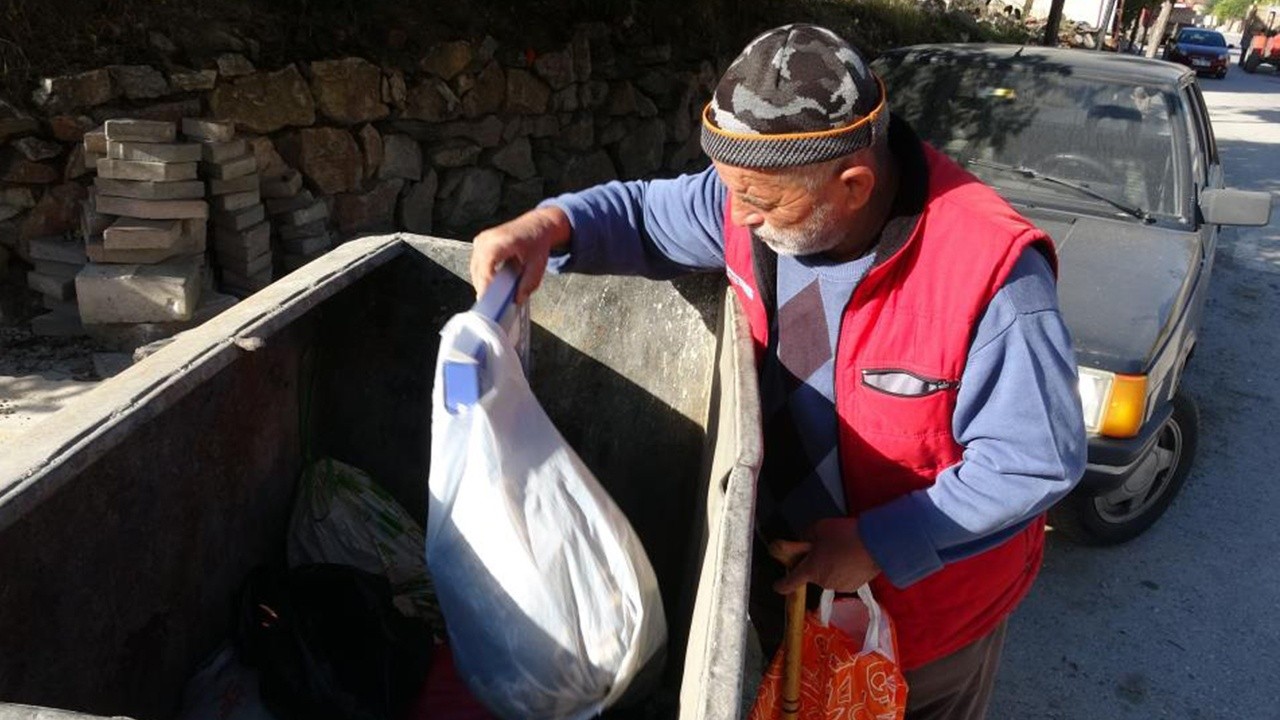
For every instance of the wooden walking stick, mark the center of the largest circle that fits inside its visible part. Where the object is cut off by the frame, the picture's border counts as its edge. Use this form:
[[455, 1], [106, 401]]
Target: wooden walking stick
[[793, 644]]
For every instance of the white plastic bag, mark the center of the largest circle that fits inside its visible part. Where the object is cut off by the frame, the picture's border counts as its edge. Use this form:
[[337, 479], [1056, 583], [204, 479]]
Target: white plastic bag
[[860, 617], [551, 605], [342, 516], [223, 689]]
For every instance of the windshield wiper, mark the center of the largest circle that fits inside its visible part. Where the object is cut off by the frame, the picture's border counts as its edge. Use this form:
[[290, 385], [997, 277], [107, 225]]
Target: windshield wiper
[[1027, 172]]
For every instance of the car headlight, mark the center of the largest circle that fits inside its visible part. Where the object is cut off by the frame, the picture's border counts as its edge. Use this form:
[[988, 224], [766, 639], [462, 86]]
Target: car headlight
[[1114, 405]]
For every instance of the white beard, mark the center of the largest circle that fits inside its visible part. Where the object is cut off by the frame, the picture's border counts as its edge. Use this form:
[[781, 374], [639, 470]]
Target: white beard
[[817, 234]]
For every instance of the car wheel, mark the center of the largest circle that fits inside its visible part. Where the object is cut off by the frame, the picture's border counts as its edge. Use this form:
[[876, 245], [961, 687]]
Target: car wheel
[[1221, 74], [1252, 62], [1119, 515]]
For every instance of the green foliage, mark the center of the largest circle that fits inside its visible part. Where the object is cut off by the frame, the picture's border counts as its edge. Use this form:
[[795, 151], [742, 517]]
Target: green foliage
[[1230, 9], [874, 26]]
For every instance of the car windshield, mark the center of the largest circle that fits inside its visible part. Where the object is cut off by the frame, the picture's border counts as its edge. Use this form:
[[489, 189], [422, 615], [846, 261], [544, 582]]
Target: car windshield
[[1116, 138], [1202, 37]]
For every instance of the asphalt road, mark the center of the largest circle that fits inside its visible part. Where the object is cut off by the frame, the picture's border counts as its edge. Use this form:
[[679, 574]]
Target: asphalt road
[[1184, 622]]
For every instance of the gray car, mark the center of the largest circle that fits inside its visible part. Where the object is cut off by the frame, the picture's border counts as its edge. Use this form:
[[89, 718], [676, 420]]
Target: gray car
[[1114, 157]]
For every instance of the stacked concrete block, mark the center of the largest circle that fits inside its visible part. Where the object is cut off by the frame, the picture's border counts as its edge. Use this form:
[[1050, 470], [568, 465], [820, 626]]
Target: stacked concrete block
[[241, 235], [145, 228], [56, 262], [299, 218], [124, 293], [95, 147]]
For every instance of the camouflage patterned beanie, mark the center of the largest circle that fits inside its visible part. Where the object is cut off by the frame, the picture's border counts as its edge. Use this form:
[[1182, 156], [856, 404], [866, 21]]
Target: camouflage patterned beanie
[[797, 95]]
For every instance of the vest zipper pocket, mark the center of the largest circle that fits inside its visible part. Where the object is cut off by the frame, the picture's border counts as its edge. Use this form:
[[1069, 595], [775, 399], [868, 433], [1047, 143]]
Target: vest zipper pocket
[[903, 383]]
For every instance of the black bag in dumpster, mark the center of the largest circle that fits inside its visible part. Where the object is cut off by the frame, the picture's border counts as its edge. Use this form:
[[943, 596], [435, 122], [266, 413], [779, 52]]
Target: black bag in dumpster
[[330, 645], [551, 605]]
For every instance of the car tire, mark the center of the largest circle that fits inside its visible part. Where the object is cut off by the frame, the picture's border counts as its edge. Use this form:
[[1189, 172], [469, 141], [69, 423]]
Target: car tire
[[1252, 62], [1221, 75], [1117, 516]]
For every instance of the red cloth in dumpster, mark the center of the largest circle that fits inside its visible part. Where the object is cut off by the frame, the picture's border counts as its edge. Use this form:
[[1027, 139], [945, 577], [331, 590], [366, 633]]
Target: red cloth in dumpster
[[444, 696]]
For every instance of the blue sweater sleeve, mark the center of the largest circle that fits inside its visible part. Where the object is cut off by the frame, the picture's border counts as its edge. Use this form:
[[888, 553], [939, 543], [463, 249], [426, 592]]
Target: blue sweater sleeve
[[655, 228], [1018, 418]]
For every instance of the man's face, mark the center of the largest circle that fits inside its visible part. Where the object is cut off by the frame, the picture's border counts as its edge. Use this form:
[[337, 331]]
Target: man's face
[[784, 211], [817, 233]]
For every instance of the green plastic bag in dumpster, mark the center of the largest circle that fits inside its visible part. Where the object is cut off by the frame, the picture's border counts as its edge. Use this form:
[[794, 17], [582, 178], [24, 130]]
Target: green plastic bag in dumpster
[[341, 516]]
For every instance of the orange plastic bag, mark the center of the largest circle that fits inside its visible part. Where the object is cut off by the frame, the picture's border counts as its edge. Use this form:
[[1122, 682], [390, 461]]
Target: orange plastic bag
[[849, 667]]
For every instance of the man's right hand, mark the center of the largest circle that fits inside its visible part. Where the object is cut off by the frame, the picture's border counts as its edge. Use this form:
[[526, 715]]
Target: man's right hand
[[527, 241]]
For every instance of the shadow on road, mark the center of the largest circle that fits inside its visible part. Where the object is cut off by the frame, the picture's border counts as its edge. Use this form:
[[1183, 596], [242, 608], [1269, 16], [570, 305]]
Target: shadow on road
[[1252, 165], [1268, 116]]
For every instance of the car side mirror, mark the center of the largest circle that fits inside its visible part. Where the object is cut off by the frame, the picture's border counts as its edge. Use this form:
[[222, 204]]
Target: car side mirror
[[1231, 47], [1235, 207]]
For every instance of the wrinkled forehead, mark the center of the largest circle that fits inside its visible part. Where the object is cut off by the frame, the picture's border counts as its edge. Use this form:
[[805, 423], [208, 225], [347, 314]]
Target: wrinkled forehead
[[765, 186], [732, 175]]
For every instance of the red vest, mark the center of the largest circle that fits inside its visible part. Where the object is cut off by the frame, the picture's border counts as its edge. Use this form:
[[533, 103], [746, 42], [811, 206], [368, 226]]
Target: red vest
[[916, 311]]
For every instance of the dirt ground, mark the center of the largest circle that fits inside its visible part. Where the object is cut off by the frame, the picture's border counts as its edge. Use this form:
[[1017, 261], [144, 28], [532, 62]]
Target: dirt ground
[[38, 375]]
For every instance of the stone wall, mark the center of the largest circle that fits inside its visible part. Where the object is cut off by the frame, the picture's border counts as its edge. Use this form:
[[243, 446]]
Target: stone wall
[[474, 133]]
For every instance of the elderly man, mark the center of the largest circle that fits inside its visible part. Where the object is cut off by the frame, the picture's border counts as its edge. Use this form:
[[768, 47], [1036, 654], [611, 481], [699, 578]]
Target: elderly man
[[918, 383]]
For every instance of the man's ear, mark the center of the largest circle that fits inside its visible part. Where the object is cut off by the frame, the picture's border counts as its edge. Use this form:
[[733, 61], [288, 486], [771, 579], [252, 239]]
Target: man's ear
[[859, 182]]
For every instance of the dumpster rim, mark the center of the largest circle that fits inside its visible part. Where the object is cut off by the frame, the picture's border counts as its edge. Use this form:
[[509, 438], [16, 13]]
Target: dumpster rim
[[38, 462]]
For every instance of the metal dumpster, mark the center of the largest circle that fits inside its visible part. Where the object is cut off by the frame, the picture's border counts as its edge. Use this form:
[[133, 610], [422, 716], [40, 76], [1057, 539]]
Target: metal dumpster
[[129, 519]]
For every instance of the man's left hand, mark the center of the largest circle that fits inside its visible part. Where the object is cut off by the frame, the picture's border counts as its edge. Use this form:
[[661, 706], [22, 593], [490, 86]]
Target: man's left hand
[[834, 558]]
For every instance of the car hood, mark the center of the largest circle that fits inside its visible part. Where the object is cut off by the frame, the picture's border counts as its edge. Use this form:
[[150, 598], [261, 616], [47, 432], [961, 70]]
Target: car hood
[[1213, 50], [1119, 284]]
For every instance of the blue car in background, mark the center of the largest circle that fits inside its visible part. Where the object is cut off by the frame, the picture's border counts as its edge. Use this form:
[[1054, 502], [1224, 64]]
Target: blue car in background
[[1204, 51]]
